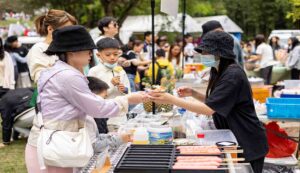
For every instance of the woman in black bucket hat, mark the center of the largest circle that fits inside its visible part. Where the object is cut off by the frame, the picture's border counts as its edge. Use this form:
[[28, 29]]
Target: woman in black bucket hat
[[228, 98], [64, 98]]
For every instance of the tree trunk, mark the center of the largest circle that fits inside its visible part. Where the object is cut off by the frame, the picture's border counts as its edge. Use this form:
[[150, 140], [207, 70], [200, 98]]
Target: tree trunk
[[108, 7]]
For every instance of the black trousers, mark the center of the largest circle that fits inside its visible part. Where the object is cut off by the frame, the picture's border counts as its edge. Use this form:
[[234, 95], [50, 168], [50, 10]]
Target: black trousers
[[257, 165], [102, 125], [266, 74], [7, 125], [3, 91], [295, 74]]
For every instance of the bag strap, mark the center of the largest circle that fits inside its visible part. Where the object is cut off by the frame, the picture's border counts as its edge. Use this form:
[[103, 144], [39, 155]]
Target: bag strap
[[281, 135]]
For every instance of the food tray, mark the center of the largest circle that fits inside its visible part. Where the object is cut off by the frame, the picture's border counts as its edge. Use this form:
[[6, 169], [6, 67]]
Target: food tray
[[146, 159], [154, 159]]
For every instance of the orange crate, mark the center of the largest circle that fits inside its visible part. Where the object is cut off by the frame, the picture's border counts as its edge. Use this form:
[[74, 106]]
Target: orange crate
[[261, 93]]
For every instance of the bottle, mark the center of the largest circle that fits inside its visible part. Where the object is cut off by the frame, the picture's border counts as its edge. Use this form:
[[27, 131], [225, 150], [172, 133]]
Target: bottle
[[141, 136], [200, 138]]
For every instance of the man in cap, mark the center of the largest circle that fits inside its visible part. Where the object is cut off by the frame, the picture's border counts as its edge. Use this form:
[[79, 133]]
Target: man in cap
[[214, 25]]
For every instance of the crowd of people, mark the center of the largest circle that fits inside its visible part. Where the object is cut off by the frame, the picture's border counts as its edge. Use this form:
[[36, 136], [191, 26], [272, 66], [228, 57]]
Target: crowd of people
[[261, 56], [64, 96]]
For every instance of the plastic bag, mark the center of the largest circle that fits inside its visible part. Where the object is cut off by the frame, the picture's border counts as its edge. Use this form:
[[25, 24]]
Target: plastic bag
[[279, 145], [271, 168]]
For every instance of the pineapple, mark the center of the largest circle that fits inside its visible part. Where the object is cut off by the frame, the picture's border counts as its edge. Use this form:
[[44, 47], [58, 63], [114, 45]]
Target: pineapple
[[167, 84], [148, 106]]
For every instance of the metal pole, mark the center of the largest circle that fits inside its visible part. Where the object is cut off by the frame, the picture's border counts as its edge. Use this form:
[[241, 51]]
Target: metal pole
[[153, 50], [183, 30]]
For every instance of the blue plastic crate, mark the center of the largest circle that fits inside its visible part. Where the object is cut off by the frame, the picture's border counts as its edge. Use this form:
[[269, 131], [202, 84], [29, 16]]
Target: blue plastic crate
[[283, 108]]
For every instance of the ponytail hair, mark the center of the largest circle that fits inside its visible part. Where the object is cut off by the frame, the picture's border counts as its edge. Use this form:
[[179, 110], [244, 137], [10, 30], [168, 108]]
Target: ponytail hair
[[216, 74], [53, 18], [2, 54]]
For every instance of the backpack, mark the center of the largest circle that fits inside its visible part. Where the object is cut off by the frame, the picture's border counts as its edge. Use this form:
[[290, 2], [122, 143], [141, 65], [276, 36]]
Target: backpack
[[17, 100], [160, 73]]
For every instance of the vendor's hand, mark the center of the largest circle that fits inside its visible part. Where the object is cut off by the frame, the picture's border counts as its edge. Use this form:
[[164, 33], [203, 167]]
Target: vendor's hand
[[121, 88], [137, 97], [161, 98], [184, 91], [115, 80]]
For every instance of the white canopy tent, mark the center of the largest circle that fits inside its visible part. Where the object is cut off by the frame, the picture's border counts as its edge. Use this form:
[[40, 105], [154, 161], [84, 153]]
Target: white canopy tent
[[228, 25], [162, 23], [142, 24]]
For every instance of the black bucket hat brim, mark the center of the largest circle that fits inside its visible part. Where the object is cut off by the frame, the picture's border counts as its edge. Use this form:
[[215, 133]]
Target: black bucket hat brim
[[70, 39]]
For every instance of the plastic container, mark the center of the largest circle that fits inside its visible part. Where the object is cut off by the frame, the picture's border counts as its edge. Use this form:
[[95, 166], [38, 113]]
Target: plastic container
[[290, 93], [141, 136], [256, 81], [160, 135], [261, 93], [283, 108], [289, 84], [214, 136]]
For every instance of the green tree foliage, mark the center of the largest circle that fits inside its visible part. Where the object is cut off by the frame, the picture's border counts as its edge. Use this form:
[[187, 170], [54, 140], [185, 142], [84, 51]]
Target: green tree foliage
[[294, 13], [253, 16], [259, 16]]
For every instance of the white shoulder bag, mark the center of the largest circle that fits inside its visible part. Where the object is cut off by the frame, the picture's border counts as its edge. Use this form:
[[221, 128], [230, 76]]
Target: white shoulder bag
[[63, 148]]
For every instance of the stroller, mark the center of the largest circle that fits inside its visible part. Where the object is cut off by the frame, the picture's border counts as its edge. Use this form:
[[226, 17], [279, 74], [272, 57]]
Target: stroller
[[16, 113], [23, 122]]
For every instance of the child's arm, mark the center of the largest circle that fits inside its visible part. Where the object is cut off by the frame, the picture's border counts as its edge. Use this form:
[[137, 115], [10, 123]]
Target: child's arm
[[107, 140], [137, 62]]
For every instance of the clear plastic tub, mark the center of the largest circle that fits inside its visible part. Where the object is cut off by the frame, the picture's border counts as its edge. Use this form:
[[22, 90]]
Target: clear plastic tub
[[289, 84], [214, 136]]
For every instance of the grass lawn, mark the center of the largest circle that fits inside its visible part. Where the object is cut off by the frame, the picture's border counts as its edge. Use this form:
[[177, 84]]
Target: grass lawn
[[12, 157]]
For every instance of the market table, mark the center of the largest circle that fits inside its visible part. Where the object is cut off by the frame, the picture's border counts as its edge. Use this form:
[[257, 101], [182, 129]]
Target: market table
[[211, 137]]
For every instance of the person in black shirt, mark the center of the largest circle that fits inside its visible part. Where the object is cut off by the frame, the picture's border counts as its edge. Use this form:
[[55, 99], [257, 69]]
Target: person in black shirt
[[135, 61], [228, 98]]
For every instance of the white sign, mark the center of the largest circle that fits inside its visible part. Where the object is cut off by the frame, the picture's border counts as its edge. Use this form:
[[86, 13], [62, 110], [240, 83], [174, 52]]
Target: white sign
[[169, 7]]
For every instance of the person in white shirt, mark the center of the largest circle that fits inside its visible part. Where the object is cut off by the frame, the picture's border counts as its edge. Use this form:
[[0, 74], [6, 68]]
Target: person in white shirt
[[108, 27], [45, 25], [189, 48], [7, 80], [109, 71], [264, 58]]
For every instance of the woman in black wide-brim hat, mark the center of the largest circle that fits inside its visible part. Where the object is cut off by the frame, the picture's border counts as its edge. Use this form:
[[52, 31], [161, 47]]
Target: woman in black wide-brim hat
[[228, 98], [64, 96]]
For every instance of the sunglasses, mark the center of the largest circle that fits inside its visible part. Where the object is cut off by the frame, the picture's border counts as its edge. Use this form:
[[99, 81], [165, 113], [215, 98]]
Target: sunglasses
[[115, 24]]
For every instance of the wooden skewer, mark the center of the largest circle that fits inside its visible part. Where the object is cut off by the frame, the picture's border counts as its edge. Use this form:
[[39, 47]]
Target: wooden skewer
[[234, 146], [235, 164], [234, 159], [233, 151]]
